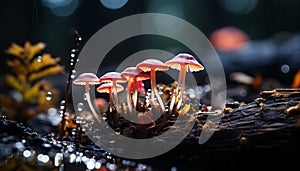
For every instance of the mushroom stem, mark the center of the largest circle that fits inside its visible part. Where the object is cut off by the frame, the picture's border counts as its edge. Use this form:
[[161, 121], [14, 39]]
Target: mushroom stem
[[135, 94], [115, 93], [182, 81], [88, 98], [111, 97], [128, 96], [87, 87], [181, 84], [154, 90]]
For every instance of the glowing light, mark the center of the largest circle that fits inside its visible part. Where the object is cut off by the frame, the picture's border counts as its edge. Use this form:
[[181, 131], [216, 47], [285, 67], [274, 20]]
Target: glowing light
[[175, 9], [228, 39], [90, 164], [72, 158], [27, 153], [285, 68], [97, 165], [43, 158], [113, 4], [58, 159], [238, 6], [61, 8]]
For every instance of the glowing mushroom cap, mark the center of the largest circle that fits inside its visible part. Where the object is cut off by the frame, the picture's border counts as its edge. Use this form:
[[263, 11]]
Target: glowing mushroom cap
[[112, 76], [131, 72], [107, 87], [185, 59], [87, 78], [152, 64]]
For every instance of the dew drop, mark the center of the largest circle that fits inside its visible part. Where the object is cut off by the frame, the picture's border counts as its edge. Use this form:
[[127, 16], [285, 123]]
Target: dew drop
[[39, 59], [285, 68], [73, 50], [72, 55], [62, 102], [80, 107], [49, 96], [27, 153], [118, 131], [84, 97], [90, 164], [97, 165], [19, 146], [73, 74], [61, 167], [149, 92], [207, 88]]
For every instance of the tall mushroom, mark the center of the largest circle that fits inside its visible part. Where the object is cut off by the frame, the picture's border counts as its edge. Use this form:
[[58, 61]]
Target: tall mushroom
[[133, 75], [88, 79], [183, 62], [109, 88], [113, 77], [153, 65]]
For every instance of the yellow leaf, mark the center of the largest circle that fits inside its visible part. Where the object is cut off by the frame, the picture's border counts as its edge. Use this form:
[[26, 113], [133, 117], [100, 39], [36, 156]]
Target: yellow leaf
[[46, 72], [45, 61], [33, 91], [33, 50], [45, 103], [13, 82], [17, 66], [16, 50]]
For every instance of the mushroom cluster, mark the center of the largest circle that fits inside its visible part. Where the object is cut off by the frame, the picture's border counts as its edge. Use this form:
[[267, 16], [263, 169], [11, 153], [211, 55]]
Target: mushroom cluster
[[135, 76]]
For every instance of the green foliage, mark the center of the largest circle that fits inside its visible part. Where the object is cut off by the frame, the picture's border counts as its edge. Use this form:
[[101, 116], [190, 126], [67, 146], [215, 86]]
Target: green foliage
[[28, 70]]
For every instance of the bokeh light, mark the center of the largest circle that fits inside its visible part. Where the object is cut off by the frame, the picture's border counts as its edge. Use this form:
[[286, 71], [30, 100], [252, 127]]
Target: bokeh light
[[176, 8], [62, 8], [285, 68], [229, 39], [113, 4], [238, 6]]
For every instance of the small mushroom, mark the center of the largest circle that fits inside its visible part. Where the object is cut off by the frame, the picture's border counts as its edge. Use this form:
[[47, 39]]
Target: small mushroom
[[113, 77], [134, 76], [153, 65], [88, 79], [108, 88], [183, 62]]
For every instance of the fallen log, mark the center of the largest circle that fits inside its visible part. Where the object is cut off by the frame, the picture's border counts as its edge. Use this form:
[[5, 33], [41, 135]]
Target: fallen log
[[262, 134]]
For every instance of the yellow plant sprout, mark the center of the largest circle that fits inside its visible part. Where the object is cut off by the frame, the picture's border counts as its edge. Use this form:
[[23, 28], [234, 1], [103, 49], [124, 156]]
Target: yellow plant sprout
[[28, 70]]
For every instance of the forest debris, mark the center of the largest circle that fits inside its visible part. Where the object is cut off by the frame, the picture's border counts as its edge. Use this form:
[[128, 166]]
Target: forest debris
[[282, 92], [293, 109]]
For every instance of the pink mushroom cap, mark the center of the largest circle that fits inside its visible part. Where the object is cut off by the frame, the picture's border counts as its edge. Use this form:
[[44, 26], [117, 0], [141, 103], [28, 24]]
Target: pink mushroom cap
[[134, 72], [112, 76], [86, 78], [185, 59], [152, 64], [107, 88]]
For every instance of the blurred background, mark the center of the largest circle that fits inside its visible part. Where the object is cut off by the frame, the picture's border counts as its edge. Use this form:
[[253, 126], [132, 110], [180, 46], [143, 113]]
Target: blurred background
[[259, 38]]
